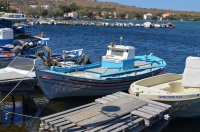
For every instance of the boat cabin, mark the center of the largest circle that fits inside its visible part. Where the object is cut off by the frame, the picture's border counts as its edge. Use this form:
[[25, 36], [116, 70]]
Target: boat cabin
[[119, 56]]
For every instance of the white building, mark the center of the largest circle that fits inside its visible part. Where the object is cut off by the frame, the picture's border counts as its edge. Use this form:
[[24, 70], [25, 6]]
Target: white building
[[12, 15], [147, 16], [42, 6], [73, 15]]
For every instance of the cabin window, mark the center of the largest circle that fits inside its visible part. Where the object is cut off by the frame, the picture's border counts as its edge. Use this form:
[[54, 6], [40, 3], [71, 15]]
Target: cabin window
[[117, 53]]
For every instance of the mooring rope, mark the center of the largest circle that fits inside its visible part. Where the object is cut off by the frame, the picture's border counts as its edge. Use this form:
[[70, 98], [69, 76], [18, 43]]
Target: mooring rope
[[18, 114]]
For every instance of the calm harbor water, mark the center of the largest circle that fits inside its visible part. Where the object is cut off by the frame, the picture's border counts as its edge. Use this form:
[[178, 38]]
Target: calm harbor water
[[173, 45]]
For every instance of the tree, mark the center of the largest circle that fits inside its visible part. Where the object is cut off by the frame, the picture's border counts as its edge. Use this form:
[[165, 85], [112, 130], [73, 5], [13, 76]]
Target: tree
[[74, 7], [122, 15], [3, 5], [44, 12], [139, 15]]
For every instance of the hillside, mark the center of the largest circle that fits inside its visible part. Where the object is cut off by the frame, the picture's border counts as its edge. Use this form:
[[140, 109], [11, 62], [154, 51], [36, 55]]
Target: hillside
[[89, 3]]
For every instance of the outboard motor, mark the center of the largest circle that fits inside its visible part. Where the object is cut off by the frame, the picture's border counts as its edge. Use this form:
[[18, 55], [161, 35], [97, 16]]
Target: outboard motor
[[84, 60]]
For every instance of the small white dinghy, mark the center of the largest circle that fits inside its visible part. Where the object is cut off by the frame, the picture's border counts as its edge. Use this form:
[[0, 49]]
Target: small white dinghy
[[180, 91]]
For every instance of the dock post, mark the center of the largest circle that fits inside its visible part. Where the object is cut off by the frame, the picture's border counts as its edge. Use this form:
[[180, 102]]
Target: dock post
[[13, 101]]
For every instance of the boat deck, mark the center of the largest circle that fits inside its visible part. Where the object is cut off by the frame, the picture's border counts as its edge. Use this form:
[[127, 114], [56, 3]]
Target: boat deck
[[165, 88], [95, 73], [116, 112]]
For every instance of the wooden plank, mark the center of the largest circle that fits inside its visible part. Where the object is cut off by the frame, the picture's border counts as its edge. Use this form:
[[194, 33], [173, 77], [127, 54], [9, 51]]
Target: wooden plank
[[73, 112], [119, 94], [41, 129], [157, 107], [118, 124], [132, 123], [42, 124], [152, 109], [142, 114], [75, 129], [55, 122], [57, 126], [125, 106], [113, 97], [101, 101], [148, 118], [67, 111], [63, 128], [111, 115], [111, 123], [95, 110], [107, 98], [82, 115], [147, 111]]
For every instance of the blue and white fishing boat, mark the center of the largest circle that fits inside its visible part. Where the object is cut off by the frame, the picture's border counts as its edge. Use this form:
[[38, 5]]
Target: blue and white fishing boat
[[16, 21], [10, 47], [117, 70]]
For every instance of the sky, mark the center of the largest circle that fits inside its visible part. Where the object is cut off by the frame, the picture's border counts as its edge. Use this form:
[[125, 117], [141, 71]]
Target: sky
[[182, 5]]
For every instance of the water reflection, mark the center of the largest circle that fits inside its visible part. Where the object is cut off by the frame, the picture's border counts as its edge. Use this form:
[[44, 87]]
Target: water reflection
[[11, 122]]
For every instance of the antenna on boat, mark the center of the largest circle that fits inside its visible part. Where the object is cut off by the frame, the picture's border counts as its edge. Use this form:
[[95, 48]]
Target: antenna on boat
[[64, 57], [121, 39]]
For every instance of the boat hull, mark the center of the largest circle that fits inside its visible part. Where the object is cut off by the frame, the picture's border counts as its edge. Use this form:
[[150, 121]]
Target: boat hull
[[182, 108], [59, 85]]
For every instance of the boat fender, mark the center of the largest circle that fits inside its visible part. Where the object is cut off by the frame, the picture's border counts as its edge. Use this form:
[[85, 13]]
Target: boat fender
[[45, 53]]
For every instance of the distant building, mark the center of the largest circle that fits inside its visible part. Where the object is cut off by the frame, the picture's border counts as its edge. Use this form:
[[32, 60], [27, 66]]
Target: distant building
[[115, 15], [147, 16], [103, 13], [165, 15], [42, 6], [73, 15]]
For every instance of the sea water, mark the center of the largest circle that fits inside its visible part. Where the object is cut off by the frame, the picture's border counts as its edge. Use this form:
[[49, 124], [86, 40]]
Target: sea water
[[173, 45]]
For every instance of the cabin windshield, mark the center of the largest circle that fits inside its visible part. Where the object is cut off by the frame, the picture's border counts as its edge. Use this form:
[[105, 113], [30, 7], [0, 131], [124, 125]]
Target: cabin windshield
[[117, 53]]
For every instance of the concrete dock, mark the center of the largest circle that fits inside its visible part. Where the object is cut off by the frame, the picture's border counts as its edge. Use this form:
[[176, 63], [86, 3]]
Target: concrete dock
[[116, 112]]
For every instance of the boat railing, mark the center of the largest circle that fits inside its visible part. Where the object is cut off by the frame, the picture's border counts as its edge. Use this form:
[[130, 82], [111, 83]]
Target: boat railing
[[130, 71], [74, 68], [146, 58], [72, 53]]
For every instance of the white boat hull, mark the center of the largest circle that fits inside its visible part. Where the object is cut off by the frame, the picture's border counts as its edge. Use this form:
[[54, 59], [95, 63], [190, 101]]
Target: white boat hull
[[63, 86], [168, 89], [59, 85]]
